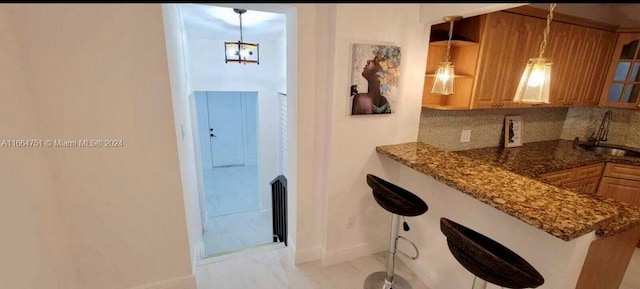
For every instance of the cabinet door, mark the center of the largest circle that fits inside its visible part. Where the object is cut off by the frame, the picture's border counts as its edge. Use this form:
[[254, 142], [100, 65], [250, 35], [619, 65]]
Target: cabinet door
[[622, 190], [561, 43], [560, 177], [622, 171], [591, 185], [596, 77], [622, 88], [506, 45]]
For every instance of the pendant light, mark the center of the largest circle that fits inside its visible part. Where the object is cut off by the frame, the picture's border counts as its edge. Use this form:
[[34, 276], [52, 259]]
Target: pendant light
[[240, 51], [536, 79], [443, 81]]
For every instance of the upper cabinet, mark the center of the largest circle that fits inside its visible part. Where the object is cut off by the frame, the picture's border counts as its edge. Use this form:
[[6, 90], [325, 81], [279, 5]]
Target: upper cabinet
[[508, 41], [493, 66], [579, 54], [622, 84], [465, 45]]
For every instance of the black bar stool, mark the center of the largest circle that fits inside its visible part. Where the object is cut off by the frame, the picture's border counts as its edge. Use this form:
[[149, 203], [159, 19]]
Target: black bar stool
[[399, 202], [487, 259]]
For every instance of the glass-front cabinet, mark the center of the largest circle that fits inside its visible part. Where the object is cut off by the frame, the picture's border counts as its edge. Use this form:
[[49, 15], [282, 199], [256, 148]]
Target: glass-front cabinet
[[622, 88]]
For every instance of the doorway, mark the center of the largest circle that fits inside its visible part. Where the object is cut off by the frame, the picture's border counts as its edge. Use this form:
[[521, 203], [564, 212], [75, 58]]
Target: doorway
[[228, 136], [196, 35]]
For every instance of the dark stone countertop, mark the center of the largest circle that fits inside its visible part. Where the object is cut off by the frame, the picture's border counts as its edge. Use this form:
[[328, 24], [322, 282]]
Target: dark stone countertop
[[537, 158], [559, 212]]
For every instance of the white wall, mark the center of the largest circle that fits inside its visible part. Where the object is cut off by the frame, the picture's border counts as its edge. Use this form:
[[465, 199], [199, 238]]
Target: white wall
[[35, 251], [353, 139], [209, 72], [100, 72], [186, 127]]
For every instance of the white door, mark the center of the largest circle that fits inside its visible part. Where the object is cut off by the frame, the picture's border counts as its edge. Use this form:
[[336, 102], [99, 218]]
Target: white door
[[226, 128]]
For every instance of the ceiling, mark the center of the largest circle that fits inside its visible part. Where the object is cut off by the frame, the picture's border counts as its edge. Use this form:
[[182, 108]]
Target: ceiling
[[623, 15], [223, 23]]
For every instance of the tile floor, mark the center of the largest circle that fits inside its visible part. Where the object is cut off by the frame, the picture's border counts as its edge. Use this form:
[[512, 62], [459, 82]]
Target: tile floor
[[235, 220], [237, 231], [631, 279], [231, 190], [273, 268]]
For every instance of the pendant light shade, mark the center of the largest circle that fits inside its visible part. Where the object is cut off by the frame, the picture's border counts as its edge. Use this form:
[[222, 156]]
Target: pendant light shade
[[445, 73], [535, 83], [240, 51], [443, 81]]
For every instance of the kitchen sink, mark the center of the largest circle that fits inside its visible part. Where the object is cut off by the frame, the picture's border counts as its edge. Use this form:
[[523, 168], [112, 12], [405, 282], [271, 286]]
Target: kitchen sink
[[610, 150]]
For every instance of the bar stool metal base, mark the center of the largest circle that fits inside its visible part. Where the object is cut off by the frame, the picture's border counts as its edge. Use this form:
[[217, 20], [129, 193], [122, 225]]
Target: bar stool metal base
[[377, 281]]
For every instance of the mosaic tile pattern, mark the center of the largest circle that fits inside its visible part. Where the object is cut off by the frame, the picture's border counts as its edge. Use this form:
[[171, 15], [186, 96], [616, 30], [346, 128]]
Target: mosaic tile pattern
[[442, 128], [624, 128], [561, 213]]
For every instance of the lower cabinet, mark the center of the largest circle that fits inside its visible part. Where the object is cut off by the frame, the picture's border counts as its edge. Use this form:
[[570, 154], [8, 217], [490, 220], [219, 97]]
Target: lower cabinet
[[582, 179], [622, 183]]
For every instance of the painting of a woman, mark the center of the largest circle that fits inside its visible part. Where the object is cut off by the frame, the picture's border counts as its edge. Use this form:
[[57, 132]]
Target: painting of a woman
[[380, 70]]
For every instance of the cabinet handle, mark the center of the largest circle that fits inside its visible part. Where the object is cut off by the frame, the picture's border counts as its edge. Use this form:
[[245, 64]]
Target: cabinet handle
[[502, 104]]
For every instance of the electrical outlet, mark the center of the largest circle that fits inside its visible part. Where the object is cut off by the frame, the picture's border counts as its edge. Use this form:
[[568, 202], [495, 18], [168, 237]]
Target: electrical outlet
[[465, 136]]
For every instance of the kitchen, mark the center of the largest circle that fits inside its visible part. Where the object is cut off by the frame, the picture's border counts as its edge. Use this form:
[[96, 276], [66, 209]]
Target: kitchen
[[587, 106]]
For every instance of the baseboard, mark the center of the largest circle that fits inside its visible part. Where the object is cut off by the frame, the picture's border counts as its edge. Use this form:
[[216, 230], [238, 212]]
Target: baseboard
[[360, 250], [308, 255], [185, 282]]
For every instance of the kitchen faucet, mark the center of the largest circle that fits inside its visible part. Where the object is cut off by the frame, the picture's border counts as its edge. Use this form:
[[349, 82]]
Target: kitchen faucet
[[603, 130]]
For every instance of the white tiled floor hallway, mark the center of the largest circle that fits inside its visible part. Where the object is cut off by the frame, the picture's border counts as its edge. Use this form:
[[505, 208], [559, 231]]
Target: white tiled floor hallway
[[235, 219]]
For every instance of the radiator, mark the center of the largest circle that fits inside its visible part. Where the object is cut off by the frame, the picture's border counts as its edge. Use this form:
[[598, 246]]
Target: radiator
[[279, 208]]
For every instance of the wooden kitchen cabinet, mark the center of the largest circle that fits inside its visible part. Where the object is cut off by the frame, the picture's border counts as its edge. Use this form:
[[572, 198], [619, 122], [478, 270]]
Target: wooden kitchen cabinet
[[622, 183], [490, 68], [578, 54], [622, 85], [463, 54], [582, 179], [599, 47], [508, 41]]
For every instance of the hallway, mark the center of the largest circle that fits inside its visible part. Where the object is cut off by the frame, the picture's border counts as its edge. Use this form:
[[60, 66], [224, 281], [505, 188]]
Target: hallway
[[235, 219]]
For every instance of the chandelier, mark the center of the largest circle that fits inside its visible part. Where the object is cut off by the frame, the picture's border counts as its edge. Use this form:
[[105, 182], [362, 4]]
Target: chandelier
[[240, 51]]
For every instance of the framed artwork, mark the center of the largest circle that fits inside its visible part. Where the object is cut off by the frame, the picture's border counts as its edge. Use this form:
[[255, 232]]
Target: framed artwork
[[513, 131], [375, 71]]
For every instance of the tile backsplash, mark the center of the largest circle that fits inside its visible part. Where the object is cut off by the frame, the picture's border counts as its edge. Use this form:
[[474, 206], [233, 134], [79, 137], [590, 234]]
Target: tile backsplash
[[442, 128], [624, 128]]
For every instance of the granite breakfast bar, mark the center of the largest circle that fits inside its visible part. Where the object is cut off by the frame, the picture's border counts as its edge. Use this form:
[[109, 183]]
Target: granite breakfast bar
[[551, 227]]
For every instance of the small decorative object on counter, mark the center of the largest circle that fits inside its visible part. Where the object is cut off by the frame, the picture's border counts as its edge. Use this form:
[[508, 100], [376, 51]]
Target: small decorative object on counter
[[512, 131]]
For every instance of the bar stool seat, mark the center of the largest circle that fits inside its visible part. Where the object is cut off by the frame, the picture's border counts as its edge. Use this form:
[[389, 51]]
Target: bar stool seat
[[396, 199], [399, 202], [488, 259]]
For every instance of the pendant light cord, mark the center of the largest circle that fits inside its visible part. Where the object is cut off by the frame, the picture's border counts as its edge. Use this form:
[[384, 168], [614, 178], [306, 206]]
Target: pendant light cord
[[543, 45], [240, 14], [446, 57]]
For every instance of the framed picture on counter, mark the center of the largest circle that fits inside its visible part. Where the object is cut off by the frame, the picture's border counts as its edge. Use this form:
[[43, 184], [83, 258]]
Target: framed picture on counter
[[512, 131]]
